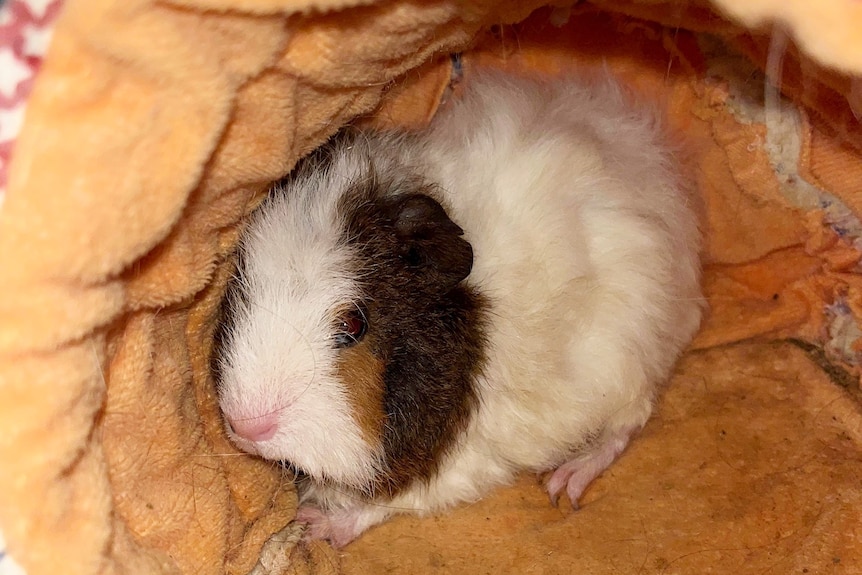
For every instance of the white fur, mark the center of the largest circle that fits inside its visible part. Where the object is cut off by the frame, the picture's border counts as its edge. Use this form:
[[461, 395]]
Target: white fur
[[279, 355], [585, 244]]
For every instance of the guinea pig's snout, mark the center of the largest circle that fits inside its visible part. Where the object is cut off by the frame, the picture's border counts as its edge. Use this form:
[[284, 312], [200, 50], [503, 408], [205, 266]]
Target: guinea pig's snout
[[255, 428]]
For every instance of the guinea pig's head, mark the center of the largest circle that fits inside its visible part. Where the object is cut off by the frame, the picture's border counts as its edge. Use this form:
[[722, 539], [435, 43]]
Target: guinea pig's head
[[351, 341]]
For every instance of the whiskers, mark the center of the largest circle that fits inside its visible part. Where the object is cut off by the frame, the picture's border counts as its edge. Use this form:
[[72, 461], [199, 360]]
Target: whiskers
[[220, 455]]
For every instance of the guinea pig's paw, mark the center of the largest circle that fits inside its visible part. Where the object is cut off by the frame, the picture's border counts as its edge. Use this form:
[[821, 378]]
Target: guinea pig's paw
[[576, 474], [319, 525], [339, 527]]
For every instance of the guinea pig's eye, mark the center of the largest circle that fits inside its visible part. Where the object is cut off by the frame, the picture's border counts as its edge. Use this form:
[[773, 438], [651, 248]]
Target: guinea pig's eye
[[351, 328]]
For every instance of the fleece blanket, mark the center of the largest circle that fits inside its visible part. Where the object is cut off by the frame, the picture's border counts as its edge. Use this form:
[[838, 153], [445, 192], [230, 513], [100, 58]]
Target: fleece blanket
[[152, 128]]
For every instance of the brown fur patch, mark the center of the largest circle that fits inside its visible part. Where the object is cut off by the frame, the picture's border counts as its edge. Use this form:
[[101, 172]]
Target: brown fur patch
[[425, 324], [362, 373]]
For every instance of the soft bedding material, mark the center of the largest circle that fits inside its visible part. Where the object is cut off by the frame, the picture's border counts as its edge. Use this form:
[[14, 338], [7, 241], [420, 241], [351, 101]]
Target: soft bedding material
[[153, 127]]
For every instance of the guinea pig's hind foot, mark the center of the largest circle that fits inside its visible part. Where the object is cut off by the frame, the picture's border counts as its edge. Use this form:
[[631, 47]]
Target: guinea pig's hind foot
[[338, 526], [575, 475]]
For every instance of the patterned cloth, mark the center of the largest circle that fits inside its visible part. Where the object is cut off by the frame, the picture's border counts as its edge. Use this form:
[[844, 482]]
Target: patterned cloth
[[25, 30]]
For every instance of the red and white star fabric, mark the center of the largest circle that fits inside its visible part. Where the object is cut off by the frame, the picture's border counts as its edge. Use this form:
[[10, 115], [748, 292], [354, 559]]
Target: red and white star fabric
[[25, 31]]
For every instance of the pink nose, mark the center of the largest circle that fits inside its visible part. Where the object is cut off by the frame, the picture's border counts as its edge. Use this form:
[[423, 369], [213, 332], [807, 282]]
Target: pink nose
[[255, 428]]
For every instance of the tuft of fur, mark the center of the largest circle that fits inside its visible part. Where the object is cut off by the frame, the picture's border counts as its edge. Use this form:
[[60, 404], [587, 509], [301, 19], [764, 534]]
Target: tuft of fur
[[585, 273]]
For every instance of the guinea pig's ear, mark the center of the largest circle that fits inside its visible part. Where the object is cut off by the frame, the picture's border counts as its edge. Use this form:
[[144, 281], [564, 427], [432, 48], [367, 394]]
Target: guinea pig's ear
[[430, 242]]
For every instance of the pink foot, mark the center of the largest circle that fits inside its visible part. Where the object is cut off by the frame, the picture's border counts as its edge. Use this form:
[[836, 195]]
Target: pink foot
[[339, 531], [577, 474], [340, 526]]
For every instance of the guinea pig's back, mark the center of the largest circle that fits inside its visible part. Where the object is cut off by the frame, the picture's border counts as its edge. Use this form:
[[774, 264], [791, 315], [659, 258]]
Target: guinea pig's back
[[586, 246]]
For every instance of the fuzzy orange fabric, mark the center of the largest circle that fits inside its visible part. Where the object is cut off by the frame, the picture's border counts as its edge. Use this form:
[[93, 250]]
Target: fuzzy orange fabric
[[155, 126], [750, 465]]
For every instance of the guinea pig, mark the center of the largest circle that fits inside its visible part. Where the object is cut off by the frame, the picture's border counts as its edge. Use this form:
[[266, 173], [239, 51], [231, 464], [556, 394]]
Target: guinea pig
[[418, 317]]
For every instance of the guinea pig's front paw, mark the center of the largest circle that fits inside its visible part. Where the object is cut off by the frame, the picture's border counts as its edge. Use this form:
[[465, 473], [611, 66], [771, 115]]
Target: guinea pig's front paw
[[575, 475], [319, 525], [340, 526]]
